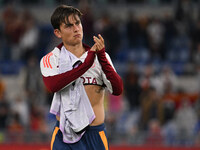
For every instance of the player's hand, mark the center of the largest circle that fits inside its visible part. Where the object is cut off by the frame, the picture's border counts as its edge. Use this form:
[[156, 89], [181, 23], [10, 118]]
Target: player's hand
[[94, 47], [99, 41]]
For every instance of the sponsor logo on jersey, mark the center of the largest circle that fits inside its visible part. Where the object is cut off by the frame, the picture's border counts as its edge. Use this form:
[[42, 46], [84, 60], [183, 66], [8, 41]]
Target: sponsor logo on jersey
[[89, 80]]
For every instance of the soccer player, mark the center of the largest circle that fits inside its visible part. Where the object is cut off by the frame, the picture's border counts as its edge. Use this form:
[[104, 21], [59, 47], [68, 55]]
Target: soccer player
[[62, 69]]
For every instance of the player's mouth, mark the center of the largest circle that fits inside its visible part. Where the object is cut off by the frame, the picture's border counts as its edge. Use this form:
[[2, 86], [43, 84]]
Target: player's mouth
[[77, 35]]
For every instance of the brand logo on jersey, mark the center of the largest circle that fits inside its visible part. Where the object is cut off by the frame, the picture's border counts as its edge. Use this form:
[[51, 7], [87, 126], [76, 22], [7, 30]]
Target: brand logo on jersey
[[46, 60], [89, 80]]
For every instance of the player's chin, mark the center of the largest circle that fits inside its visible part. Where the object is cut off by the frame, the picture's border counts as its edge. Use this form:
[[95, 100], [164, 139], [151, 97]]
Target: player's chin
[[78, 40], [75, 42]]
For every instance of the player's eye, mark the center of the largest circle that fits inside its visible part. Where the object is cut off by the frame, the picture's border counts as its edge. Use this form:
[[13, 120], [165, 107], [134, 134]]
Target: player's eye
[[68, 25], [78, 22]]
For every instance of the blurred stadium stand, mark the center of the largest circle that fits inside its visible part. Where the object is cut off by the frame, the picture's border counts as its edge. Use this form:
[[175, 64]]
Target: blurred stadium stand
[[155, 47]]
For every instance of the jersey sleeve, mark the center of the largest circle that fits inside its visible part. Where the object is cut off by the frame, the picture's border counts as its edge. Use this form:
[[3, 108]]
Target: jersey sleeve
[[55, 81], [111, 79], [49, 65]]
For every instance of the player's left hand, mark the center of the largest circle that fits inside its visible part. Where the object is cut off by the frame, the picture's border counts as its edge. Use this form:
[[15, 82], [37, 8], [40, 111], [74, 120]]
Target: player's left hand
[[99, 41]]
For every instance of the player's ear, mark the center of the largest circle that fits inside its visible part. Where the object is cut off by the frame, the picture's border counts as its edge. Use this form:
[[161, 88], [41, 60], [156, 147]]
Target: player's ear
[[57, 33]]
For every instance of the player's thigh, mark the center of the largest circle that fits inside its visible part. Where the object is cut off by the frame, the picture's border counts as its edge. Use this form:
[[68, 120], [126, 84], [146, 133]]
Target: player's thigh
[[57, 142], [96, 140]]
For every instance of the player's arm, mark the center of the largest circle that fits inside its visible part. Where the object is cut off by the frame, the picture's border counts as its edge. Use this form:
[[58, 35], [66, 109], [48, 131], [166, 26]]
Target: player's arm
[[107, 67], [56, 82], [111, 74]]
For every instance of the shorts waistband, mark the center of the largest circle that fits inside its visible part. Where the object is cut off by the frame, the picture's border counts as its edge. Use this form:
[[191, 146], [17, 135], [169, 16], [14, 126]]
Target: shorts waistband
[[98, 127]]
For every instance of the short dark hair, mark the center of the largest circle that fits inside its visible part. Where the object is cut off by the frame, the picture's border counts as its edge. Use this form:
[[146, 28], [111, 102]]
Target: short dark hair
[[61, 14]]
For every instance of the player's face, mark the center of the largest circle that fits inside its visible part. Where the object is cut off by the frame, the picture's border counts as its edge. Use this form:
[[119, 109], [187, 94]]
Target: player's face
[[71, 32]]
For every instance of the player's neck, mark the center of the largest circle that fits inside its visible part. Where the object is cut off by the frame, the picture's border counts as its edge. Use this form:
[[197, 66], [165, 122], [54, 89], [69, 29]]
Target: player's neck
[[77, 49]]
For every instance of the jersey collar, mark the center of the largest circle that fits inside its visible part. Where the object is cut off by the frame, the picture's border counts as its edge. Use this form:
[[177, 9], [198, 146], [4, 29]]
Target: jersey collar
[[87, 48]]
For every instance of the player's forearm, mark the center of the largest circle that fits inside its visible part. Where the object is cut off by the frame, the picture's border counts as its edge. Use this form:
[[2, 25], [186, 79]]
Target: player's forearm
[[57, 82], [111, 74]]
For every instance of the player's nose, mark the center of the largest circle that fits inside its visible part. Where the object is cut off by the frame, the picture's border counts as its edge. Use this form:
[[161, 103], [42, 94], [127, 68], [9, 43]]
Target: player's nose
[[75, 27]]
